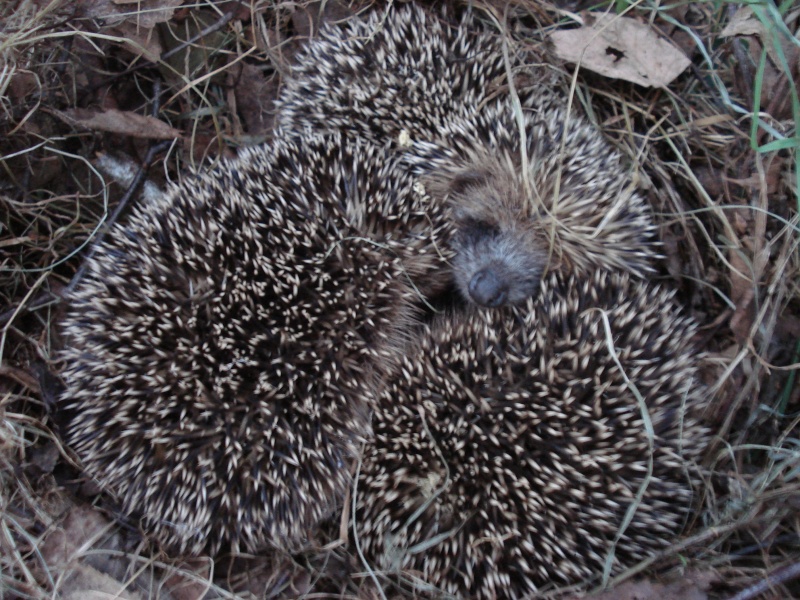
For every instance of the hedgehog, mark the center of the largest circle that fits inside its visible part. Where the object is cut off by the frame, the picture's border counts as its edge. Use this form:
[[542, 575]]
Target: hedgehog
[[511, 446], [533, 186], [222, 350]]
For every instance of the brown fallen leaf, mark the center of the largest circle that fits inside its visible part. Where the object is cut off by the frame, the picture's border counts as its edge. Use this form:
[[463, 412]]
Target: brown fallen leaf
[[83, 551], [21, 376], [121, 122], [80, 528], [742, 295], [41, 459], [143, 13], [687, 589], [189, 580], [21, 85], [255, 97], [139, 41], [744, 22], [309, 17], [621, 48], [83, 582]]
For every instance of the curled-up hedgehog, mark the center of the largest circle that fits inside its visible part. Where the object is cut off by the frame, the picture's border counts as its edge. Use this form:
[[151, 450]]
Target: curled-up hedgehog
[[224, 346], [533, 186], [512, 446]]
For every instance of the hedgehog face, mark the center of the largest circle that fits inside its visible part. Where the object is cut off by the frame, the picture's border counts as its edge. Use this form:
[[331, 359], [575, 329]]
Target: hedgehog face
[[499, 257], [495, 265]]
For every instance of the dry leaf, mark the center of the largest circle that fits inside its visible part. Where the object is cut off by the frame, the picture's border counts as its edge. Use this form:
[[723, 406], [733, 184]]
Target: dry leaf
[[79, 530], [83, 582], [742, 294], [789, 325], [744, 22], [139, 41], [255, 97], [142, 13], [189, 580], [646, 590], [121, 122], [621, 48], [21, 376], [309, 17], [124, 170], [21, 85], [41, 460]]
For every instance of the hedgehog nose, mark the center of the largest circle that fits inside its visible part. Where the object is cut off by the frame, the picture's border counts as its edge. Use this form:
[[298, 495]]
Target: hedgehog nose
[[487, 290]]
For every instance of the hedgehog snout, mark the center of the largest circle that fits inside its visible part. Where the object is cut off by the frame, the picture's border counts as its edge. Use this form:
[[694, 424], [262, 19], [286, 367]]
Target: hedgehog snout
[[487, 289], [500, 269]]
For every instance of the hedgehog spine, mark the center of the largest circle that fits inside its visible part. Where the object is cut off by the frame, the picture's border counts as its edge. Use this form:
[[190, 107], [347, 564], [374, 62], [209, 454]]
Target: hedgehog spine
[[508, 446], [224, 348]]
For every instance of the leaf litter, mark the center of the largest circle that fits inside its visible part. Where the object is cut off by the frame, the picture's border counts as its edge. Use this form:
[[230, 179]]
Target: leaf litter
[[83, 88]]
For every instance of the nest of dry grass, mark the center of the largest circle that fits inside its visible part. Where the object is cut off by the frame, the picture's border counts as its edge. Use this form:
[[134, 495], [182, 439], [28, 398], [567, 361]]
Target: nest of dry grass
[[101, 99]]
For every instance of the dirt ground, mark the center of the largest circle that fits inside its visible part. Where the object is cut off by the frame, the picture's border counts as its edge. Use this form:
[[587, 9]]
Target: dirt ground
[[103, 100]]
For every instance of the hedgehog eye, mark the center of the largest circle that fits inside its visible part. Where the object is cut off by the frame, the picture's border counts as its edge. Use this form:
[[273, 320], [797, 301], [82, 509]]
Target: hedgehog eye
[[468, 179], [473, 229]]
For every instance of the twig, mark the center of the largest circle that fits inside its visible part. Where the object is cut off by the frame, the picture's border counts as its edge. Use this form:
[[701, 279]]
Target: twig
[[132, 188], [777, 577], [46, 298], [226, 18], [40, 301], [743, 64]]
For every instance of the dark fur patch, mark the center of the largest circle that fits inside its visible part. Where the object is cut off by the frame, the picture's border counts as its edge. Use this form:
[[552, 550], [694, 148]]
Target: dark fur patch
[[461, 182]]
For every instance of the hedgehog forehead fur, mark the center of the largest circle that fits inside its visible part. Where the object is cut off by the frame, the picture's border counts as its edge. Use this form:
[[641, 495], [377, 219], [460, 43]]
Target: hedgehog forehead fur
[[440, 92], [509, 447], [224, 346]]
